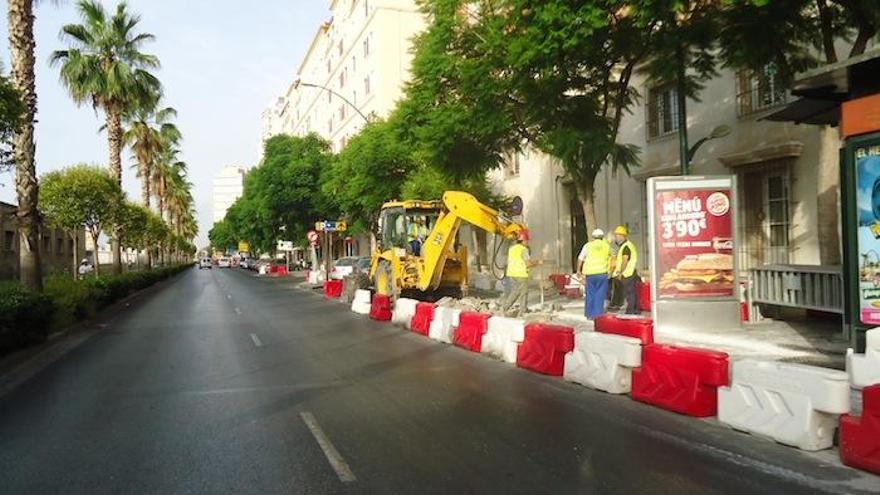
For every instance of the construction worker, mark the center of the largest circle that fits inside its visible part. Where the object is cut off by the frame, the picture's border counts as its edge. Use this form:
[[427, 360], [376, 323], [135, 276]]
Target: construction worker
[[594, 261], [518, 263], [625, 269], [417, 235]]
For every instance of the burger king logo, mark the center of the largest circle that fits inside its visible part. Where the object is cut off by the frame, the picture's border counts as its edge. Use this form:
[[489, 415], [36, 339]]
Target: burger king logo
[[718, 204]]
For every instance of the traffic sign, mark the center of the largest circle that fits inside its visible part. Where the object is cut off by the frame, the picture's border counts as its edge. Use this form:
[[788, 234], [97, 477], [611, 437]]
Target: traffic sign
[[284, 246], [332, 226], [243, 247]]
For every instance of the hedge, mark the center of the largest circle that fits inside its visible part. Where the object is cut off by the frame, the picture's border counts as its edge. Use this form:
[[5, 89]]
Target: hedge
[[26, 318]]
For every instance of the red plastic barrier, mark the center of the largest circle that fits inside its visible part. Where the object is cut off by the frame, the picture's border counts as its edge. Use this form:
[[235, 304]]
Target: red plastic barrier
[[640, 328], [380, 308], [681, 379], [333, 288], [421, 321], [544, 348], [471, 328], [644, 293], [560, 280], [860, 435]]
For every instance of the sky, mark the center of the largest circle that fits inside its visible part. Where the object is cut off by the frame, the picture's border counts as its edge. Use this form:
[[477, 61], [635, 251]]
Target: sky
[[223, 63]]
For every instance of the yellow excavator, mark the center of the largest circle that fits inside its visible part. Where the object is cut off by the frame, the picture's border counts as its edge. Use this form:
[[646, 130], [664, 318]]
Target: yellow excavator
[[440, 265]]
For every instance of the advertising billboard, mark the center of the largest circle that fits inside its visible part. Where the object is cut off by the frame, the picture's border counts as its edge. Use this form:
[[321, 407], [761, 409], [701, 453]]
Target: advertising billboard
[[693, 245], [867, 164], [694, 232]]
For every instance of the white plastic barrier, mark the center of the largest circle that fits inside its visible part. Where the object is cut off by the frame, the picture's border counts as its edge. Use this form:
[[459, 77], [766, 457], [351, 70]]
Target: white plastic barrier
[[444, 324], [603, 361], [315, 277], [864, 369], [361, 303], [503, 336], [404, 310], [794, 404]]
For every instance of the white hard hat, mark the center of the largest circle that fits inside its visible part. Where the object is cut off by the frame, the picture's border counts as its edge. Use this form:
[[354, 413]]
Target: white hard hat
[[598, 233]]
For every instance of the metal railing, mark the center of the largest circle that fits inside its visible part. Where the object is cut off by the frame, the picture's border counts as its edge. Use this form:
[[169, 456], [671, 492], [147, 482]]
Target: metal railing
[[798, 286]]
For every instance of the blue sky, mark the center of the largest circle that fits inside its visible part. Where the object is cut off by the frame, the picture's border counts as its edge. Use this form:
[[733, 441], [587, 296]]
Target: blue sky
[[223, 62]]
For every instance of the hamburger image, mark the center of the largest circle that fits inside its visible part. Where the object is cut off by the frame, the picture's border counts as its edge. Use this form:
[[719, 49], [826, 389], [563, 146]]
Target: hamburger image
[[700, 273]]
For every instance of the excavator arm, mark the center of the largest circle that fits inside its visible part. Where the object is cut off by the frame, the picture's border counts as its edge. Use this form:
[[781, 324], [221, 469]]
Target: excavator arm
[[460, 207]]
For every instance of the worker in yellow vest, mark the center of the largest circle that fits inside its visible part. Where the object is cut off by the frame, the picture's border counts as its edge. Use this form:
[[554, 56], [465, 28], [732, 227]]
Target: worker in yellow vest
[[518, 263], [417, 234], [625, 274], [594, 261]]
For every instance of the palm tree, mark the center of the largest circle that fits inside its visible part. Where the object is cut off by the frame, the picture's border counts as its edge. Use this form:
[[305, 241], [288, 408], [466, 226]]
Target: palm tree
[[147, 133], [20, 16], [105, 67]]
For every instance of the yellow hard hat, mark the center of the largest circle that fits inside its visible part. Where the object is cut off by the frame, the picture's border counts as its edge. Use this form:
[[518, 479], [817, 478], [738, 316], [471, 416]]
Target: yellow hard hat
[[621, 230]]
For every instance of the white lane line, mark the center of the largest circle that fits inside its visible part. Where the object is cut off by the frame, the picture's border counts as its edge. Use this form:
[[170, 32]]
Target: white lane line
[[256, 340], [237, 311], [333, 457]]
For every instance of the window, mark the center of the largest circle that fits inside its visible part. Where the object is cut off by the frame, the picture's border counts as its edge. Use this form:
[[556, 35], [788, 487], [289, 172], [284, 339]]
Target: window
[[70, 246], [47, 244], [366, 47], [340, 48], [342, 79], [367, 85], [776, 208], [366, 7], [59, 243], [354, 97], [329, 97], [756, 91], [512, 164], [328, 67], [330, 126], [9, 241], [662, 111], [342, 112], [354, 64]]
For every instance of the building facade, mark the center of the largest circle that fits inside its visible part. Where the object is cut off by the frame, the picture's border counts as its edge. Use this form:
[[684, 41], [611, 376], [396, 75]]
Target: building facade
[[58, 252], [354, 69], [783, 171], [228, 186]]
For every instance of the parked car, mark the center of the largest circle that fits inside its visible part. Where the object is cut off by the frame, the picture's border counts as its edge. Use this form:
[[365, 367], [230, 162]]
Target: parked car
[[343, 267], [223, 263], [205, 263]]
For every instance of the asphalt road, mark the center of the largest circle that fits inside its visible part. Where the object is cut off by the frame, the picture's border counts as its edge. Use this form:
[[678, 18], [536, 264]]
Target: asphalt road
[[221, 382]]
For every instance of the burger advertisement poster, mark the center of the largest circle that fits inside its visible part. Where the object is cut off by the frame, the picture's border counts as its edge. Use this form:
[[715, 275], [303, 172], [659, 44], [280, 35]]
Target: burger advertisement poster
[[867, 160], [694, 242]]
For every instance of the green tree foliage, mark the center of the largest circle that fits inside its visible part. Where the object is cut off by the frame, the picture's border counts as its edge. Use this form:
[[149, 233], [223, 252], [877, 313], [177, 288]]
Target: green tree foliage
[[221, 236], [81, 196], [11, 113], [130, 222], [802, 33], [282, 196], [368, 172]]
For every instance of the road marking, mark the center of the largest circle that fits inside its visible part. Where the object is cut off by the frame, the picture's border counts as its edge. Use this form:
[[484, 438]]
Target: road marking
[[256, 340], [237, 311], [228, 296], [333, 457]]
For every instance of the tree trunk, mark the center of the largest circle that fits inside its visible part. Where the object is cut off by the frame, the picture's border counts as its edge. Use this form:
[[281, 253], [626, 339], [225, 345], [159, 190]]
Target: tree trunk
[[587, 195], [114, 138], [75, 253], [828, 209], [20, 16], [96, 259], [827, 30]]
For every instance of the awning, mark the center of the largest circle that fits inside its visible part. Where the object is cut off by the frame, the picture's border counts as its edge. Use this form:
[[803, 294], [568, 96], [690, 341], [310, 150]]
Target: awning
[[808, 111]]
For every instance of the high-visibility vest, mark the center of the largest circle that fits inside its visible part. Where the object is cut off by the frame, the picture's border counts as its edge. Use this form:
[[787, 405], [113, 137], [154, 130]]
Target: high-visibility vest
[[630, 268], [417, 232], [516, 264], [598, 252]]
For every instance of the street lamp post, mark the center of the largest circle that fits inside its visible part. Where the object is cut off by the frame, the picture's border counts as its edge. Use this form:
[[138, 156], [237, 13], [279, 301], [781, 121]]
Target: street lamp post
[[325, 88], [718, 132]]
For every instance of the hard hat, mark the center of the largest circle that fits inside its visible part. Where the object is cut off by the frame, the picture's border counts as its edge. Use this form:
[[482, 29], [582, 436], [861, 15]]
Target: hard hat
[[621, 230], [523, 235], [598, 233]]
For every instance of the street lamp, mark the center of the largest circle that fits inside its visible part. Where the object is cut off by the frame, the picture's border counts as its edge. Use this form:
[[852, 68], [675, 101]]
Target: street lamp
[[718, 132], [325, 88]]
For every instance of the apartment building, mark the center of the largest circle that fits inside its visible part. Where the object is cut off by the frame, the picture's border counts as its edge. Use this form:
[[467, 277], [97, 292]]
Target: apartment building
[[354, 69], [227, 187]]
